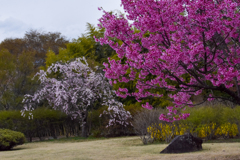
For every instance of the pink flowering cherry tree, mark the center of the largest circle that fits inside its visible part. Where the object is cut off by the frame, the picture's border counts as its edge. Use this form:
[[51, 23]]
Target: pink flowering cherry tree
[[73, 87], [187, 46]]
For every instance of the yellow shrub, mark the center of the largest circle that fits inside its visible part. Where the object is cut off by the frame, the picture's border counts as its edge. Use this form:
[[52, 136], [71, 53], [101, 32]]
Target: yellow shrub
[[206, 130], [167, 131], [227, 129]]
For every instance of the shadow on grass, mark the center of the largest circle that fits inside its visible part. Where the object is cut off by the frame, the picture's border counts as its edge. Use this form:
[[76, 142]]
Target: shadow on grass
[[70, 139], [77, 139], [14, 149], [230, 140], [181, 153], [156, 142]]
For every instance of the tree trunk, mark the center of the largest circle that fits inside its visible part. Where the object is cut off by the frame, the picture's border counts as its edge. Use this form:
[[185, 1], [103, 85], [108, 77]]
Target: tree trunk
[[66, 130], [30, 136], [85, 124]]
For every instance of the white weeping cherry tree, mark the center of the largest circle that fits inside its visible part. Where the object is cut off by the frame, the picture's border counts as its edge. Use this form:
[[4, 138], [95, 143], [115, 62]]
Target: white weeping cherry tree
[[73, 88]]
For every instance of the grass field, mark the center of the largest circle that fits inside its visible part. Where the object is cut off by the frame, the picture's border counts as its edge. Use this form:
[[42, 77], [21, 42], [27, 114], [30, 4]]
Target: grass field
[[115, 148]]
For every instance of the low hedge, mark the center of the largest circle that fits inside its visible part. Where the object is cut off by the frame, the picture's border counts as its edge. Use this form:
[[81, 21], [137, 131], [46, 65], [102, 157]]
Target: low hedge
[[44, 123], [9, 139]]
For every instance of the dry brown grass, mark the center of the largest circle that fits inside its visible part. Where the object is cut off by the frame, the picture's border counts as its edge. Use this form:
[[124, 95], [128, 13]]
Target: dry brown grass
[[116, 148]]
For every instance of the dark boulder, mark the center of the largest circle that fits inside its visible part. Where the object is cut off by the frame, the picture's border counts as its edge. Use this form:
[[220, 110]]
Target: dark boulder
[[184, 143]]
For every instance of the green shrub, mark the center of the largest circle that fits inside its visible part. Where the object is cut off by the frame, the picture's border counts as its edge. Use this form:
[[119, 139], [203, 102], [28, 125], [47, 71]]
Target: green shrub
[[205, 117], [9, 139], [133, 108], [96, 133], [95, 122]]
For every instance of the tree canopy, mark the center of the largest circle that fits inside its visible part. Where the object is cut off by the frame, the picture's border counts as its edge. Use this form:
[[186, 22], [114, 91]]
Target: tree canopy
[[36, 42], [85, 46], [186, 47], [73, 87]]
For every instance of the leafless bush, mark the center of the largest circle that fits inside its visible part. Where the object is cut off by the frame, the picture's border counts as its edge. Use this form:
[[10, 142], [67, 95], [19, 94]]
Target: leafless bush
[[145, 118]]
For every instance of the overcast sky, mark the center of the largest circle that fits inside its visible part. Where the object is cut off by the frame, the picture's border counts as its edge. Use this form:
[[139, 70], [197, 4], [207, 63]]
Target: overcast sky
[[66, 16]]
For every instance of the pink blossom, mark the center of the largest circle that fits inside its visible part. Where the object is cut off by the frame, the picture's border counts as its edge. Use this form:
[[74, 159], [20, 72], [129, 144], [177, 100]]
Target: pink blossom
[[198, 39], [147, 106]]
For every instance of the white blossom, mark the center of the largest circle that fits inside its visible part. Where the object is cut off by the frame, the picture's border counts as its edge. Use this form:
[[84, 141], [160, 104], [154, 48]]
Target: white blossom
[[73, 87]]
